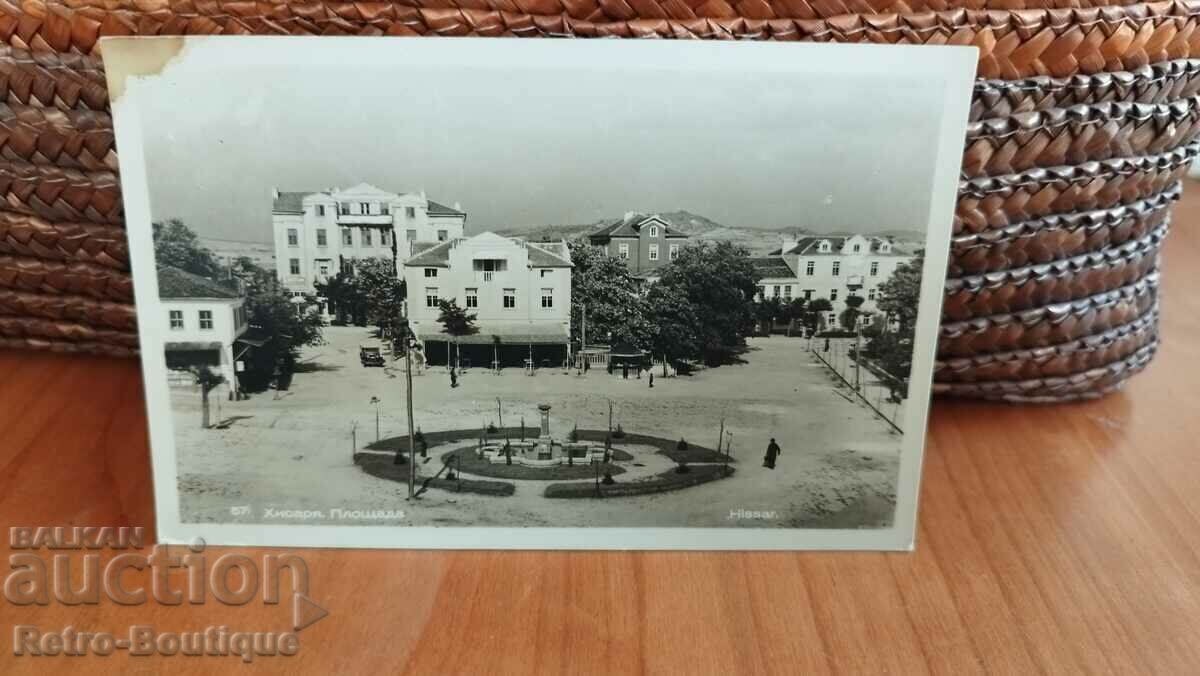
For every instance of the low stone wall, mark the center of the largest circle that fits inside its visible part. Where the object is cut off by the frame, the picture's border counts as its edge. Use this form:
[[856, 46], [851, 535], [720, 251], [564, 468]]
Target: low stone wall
[[661, 483]]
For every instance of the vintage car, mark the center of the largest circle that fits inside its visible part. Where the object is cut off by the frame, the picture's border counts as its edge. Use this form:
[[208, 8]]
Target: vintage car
[[370, 355]]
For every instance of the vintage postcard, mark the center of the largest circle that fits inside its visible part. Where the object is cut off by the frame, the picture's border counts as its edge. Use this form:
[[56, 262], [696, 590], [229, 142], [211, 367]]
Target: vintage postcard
[[504, 293]]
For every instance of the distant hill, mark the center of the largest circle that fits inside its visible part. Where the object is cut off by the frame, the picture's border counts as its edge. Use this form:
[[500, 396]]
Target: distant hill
[[698, 227]]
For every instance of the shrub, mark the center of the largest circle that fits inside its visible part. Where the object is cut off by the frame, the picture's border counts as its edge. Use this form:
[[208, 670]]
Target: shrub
[[683, 468], [573, 435], [682, 445], [619, 433], [491, 428], [419, 437]]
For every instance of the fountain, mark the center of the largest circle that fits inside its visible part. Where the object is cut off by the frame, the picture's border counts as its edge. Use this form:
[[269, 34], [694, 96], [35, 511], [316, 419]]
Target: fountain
[[545, 451]]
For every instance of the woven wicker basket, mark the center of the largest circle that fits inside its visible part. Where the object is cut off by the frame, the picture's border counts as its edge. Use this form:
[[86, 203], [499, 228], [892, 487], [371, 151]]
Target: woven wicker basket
[[1084, 121]]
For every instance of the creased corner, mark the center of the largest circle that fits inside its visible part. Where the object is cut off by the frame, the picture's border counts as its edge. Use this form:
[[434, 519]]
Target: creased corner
[[138, 56]]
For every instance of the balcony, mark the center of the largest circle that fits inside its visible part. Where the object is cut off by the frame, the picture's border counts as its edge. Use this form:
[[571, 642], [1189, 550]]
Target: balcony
[[364, 219]]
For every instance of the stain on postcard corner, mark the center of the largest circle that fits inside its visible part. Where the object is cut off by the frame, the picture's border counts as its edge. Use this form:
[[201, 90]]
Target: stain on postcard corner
[[129, 57]]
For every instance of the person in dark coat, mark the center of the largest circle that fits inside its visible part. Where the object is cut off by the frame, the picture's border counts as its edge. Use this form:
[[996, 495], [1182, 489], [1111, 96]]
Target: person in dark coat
[[651, 379], [453, 378], [625, 370], [773, 452]]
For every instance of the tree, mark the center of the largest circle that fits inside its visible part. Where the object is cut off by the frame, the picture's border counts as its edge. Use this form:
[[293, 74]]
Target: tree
[[766, 311], [900, 295], [382, 291], [285, 327], [720, 282], [344, 294], [615, 307], [456, 323], [849, 317], [794, 311], [176, 245], [814, 313], [674, 321], [208, 380]]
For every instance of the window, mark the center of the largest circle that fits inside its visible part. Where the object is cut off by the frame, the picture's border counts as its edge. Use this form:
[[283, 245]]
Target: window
[[472, 297], [653, 252], [762, 292], [364, 235], [775, 291], [856, 248], [347, 238], [294, 265], [547, 299], [824, 247], [320, 209], [885, 247], [653, 231], [323, 267], [431, 296], [344, 208], [510, 299], [489, 267], [410, 212], [410, 235], [837, 268], [385, 237], [430, 272], [545, 272], [810, 268], [293, 237], [833, 319], [833, 294], [808, 294], [364, 208], [870, 294], [787, 292], [874, 268], [623, 250], [176, 320], [673, 251], [442, 235], [206, 320], [384, 209], [321, 238]]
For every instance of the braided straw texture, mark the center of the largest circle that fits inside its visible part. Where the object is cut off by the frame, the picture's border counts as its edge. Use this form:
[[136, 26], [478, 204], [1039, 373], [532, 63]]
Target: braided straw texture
[[1046, 239], [1013, 44], [51, 276], [1156, 83], [1059, 360], [66, 346]]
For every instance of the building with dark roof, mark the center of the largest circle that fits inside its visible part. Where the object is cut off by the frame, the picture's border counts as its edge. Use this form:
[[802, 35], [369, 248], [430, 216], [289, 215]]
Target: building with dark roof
[[830, 267], [645, 242], [319, 233], [519, 291], [204, 324]]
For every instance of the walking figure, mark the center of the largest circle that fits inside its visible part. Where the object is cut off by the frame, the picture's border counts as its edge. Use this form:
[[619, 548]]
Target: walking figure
[[453, 378], [773, 452], [625, 370], [651, 380]]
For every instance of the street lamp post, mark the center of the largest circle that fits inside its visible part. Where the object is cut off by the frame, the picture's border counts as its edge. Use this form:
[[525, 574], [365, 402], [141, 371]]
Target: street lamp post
[[376, 401]]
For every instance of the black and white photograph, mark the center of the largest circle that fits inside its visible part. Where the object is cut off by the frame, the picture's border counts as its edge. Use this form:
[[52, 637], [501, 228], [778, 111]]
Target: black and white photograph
[[537, 294]]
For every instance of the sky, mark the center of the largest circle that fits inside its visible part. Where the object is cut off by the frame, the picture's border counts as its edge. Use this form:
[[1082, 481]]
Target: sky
[[531, 148]]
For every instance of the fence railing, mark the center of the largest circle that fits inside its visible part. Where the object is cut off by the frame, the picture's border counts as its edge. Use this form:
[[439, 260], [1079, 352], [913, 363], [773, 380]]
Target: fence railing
[[877, 396]]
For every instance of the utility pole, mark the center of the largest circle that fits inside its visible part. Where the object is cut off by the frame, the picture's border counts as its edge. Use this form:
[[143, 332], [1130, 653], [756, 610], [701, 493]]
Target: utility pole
[[857, 353], [721, 435], [583, 328], [412, 456]]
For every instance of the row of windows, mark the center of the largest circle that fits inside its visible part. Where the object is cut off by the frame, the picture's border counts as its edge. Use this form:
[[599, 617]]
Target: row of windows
[[364, 209], [784, 291], [810, 268], [826, 247], [366, 237], [652, 250], [472, 298], [204, 317]]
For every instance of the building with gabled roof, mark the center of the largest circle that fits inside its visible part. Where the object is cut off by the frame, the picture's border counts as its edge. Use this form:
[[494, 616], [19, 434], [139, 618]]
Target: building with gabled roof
[[646, 242], [205, 325], [317, 234], [830, 267], [520, 292]]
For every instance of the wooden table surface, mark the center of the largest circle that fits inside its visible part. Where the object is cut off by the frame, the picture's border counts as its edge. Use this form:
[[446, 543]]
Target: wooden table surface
[[1061, 539]]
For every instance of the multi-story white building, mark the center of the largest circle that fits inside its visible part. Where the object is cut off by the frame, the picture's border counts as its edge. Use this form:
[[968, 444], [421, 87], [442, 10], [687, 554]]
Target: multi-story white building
[[318, 234], [206, 325], [520, 292], [831, 268]]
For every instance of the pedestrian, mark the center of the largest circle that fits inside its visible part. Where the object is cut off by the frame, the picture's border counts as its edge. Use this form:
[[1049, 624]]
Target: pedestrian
[[453, 378], [625, 370], [651, 379], [773, 452], [639, 370], [586, 364]]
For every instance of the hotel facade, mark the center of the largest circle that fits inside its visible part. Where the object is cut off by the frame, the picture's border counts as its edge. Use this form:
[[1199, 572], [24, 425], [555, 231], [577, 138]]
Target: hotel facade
[[519, 291], [318, 234], [831, 268]]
